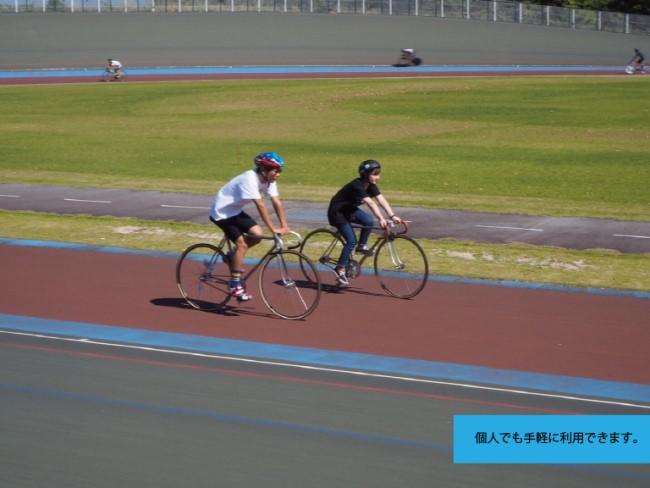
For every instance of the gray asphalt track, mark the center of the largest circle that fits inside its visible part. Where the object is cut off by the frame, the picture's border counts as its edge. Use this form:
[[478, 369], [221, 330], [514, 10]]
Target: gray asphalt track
[[146, 39], [81, 415], [568, 232]]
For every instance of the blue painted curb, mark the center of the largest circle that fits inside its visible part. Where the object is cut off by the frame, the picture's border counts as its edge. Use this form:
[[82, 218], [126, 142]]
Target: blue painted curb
[[305, 70]]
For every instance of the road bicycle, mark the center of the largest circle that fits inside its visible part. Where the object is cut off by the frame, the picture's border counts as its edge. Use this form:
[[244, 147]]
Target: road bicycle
[[400, 265], [632, 69], [288, 281], [113, 76]]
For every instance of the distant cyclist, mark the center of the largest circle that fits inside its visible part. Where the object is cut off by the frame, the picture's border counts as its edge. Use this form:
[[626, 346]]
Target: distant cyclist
[[638, 60], [114, 68], [408, 58]]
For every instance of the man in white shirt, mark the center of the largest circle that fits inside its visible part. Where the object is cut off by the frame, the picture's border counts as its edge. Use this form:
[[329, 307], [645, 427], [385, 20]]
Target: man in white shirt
[[227, 212], [115, 68]]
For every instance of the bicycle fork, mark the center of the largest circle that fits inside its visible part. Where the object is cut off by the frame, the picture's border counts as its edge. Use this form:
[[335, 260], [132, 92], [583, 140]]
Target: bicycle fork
[[287, 282], [284, 274], [397, 262]]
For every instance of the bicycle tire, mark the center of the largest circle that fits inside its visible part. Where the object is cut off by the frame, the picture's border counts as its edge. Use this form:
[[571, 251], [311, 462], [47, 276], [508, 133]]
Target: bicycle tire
[[284, 286], [401, 267], [322, 247], [202, 277]]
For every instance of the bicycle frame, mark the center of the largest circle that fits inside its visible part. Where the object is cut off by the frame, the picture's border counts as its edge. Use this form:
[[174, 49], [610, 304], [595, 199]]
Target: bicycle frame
[[386, 234], [110, 75], [278, 245]]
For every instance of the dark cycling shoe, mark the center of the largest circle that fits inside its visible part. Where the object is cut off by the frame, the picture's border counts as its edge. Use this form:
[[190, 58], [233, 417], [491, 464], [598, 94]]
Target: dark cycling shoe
[[341, 277], [365, 250]]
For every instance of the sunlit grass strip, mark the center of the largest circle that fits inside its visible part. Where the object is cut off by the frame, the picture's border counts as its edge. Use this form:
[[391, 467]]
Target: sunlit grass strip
[[516, 262]]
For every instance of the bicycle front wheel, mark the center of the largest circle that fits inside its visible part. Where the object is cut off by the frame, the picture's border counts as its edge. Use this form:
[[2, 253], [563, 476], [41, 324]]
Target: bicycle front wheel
[[289, 285], [323, 248], [203, 277], [401, 267]]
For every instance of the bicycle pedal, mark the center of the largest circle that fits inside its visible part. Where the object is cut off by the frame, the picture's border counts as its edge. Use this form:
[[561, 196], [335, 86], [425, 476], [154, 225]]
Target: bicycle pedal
[[353, 269]]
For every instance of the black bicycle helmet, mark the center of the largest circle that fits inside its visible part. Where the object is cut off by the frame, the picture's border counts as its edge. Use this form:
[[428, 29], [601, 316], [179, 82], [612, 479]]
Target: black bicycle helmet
[[368, 167]]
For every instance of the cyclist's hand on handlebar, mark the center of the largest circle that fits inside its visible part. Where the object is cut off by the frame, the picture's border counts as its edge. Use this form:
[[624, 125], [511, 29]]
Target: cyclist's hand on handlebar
[[396, 219], [281, 230], [382, 223]]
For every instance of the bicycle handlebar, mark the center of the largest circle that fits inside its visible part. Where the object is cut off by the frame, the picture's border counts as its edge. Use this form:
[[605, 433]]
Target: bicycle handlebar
[[390, 229], [280, 243], [404, 224]]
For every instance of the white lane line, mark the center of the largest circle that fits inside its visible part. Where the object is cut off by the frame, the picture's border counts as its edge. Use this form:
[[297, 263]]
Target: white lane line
[[509, 228], [185, 206], [86, 201], [366, 374], [10, 196], [631, 236]]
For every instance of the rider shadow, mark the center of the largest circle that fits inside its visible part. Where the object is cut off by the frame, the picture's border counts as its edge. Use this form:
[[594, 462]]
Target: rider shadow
[[338, 290], [224, 310]]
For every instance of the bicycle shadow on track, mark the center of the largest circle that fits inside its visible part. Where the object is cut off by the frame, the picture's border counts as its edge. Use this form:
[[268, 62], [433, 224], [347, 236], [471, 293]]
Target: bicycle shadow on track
[[338, 290], [225, 310]]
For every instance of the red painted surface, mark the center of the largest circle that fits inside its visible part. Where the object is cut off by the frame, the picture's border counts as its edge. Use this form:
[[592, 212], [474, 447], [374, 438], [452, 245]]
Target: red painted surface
[[552, 332]]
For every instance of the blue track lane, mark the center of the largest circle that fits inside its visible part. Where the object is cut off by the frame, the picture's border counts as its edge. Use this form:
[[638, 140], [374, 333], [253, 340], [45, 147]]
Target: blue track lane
[[370, 363], [309, 70]]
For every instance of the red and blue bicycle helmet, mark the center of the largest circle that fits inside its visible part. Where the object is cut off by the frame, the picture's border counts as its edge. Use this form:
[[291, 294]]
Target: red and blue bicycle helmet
[[368, 167], [269, 160]]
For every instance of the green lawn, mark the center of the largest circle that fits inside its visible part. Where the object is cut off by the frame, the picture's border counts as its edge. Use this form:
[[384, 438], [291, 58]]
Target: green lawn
[[555, 145]]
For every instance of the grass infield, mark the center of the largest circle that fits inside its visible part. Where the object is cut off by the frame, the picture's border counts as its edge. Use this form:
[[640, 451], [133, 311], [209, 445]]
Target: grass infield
[[555, 145]]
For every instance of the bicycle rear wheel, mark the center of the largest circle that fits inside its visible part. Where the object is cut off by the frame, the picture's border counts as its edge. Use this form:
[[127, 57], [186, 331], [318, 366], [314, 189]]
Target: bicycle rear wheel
[[285, 288], [203, 277], [323, 248], [401, 267]]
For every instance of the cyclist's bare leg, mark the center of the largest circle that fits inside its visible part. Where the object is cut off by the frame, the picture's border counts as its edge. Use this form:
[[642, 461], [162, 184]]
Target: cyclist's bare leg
[[242, 245], [237, 258]]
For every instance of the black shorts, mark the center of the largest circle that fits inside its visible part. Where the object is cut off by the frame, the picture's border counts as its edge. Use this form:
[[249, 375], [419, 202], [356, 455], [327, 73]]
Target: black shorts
[[235, 227]]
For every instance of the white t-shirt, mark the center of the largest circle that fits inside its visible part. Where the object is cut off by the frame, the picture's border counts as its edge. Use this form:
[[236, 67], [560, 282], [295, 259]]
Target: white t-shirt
[[115, 64], [235, 194]]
